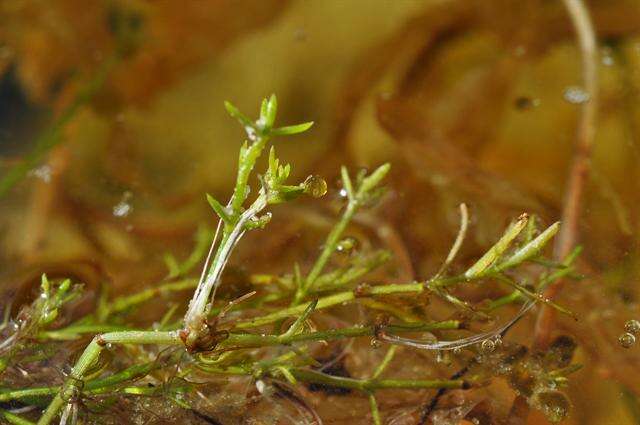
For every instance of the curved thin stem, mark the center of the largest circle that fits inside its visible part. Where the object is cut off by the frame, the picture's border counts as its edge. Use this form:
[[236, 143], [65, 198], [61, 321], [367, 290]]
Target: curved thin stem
[[579, 171]]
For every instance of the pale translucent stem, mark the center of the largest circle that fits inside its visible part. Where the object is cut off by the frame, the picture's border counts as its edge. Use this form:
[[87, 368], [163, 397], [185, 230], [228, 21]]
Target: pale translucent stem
[[198, 304]]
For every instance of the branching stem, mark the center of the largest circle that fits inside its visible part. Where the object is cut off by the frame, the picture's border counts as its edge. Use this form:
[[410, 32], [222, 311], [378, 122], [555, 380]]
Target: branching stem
[[89, 357]]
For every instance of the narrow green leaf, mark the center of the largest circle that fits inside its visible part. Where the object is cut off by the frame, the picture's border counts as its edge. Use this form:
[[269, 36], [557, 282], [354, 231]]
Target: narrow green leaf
[[273, 162], [287, 374], [219, 209], [346, 182], [291, 129], [372, 180], [235, 113], [375, 412], [172, 264], [498, 249], [299, 322], [269, 115], [535, 296], [531, 249], [263, 109]]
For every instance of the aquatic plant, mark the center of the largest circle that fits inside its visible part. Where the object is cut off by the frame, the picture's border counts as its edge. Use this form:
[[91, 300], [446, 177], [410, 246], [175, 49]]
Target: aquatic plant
[[208, 345]]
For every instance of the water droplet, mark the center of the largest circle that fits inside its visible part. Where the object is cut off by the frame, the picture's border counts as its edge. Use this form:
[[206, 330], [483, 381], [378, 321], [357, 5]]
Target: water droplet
[[123, 208], [315, 186], [626, 340], [607, 57], [375, 343], [576, 95], [343, 193], [487, 346], [632, 326], [346, 245]]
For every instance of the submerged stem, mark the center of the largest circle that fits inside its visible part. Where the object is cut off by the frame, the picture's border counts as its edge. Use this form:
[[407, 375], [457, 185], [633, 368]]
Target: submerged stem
[[89, 357], [367, 385]]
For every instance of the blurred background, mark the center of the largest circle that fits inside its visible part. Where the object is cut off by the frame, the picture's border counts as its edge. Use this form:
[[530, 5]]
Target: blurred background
[[112, 114]]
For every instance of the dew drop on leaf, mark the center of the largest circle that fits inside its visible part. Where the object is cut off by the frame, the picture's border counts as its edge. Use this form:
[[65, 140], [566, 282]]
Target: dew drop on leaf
[[347, 245], [315, 186]]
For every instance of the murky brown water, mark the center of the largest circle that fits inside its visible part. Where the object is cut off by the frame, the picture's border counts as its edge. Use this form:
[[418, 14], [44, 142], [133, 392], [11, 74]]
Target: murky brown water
[[471, 101]]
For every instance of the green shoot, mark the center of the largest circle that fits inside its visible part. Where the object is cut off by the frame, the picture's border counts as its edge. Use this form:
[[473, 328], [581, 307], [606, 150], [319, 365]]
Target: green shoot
[[234, 218], [357, 197]]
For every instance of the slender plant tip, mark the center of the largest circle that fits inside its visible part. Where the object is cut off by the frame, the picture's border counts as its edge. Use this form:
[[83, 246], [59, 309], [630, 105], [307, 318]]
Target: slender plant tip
[[292, 129]]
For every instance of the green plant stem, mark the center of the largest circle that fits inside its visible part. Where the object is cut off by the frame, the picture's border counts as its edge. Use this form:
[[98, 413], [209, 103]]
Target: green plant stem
[[197, 310], [13, 418], [95, 386], [327, 251], [391, 352], [237, 340], [329, 301], [74, 331], [513, 297], [90, 355], [368, 385], [375, 412], [126, 302]]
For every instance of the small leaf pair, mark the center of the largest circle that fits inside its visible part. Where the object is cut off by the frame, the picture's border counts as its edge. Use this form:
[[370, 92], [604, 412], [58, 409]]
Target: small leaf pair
[[264, 124]]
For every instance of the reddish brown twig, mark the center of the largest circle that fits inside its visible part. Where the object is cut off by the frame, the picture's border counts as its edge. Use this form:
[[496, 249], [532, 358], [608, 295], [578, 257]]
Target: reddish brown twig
[[578, 174], [579, 171]]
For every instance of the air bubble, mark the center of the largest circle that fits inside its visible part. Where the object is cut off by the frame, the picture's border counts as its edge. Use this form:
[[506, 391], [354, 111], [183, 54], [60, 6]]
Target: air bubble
[[346, 245], [488, 346], [626, 340], [315, 186], [576, 95], [632, 326], [123, 208]]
